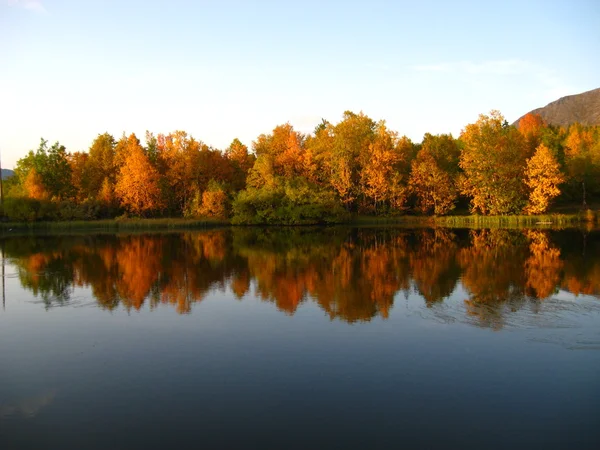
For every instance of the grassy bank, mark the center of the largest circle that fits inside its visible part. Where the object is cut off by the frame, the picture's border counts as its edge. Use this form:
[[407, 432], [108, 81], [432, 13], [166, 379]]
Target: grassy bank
[[589, 219], [586, 218], [113, 225]]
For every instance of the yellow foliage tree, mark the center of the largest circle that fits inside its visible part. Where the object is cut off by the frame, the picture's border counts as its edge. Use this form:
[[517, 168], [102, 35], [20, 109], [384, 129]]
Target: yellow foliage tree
[[342, 181], [543, 177], [493, 161], [434, 188], [378, 176], [580, 163], [107, 193]]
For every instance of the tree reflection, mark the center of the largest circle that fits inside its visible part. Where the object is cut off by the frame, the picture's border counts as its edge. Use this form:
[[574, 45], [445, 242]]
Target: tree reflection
[[492, 273], [543, 267], [352, 274], [434, 266]]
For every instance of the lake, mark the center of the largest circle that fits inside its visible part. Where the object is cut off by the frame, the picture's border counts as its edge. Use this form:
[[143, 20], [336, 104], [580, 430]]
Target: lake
[[301, 338]]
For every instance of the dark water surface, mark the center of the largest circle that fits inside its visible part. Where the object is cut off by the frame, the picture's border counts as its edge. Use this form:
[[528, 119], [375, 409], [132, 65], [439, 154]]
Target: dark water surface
[[301, 338]]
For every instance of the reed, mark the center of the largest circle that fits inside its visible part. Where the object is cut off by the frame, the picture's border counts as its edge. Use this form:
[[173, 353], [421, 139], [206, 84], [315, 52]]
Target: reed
[[113, 225]]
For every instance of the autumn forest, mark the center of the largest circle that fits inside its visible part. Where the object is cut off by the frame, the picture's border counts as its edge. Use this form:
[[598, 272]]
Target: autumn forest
[[355, 167]]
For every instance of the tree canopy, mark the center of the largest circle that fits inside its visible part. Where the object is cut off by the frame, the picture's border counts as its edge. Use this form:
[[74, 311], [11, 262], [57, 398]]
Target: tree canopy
[[356, 166]]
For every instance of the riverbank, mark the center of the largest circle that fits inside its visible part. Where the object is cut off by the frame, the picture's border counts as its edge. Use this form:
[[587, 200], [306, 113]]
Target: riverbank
[[475, 221], [587, 219], [114, 225]]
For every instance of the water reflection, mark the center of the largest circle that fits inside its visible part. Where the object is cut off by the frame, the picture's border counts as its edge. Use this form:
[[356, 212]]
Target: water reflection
[[352, 274]]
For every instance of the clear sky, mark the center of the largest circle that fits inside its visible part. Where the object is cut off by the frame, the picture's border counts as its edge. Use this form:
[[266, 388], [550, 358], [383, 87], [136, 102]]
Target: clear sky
[[70, 70]]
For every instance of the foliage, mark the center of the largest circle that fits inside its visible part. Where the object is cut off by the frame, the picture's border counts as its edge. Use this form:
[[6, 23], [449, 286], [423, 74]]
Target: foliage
[[543, 177], [434, 188], [434, 174], [137, 186], [357, 166], [213, 202], [380, 178], [493, 161], [21, 209], [296, 202]]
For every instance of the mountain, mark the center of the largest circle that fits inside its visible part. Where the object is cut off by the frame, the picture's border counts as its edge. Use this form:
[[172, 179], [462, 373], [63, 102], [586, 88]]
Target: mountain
[[7, 173], [583, 108]]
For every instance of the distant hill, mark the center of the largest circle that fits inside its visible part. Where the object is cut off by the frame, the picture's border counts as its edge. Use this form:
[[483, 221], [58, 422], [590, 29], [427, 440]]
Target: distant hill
[[583, 108], [7, 173]]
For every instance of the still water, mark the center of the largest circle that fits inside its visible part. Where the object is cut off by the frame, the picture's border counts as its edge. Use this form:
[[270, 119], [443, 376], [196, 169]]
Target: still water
[[301, 338]]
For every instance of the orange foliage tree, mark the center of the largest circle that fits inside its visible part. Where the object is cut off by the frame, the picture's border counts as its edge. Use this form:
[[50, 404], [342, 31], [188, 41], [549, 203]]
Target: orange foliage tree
[[242, 161], [532, 127], [79, 174], [34, 186], [214, 201], [137, 186]]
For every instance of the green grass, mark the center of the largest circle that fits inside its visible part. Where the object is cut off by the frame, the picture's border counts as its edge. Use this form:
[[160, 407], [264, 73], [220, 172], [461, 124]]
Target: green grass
[[584, 218], [113, 225], [542, 221]]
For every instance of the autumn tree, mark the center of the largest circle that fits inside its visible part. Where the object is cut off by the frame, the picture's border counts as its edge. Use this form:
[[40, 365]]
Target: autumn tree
[[213, 164], [434, 188], [284, 147], [137, 186], [52, 171], [213, 202], [102, 168], [532, 128], [543, 176], [352, 138], [78, 162], [107, 195], [318, 163], [493, 161], [582, 163], [262, 174], [434, 174], [179, 156], [34, 185], [380, 178], [241, 161]]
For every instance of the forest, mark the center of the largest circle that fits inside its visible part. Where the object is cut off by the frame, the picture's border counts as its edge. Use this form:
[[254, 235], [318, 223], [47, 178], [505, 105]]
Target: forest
[[357, 167]]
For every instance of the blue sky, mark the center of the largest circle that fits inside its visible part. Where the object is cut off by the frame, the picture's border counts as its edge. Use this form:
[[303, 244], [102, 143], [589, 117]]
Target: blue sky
[[70, 70]]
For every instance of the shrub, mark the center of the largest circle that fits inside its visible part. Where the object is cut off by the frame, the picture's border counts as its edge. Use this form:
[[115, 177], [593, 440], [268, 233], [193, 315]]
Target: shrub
[[298, 202], [21, 209]]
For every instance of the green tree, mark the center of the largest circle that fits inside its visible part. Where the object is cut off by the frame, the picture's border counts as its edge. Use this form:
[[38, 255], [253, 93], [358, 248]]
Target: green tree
[[101, 164]]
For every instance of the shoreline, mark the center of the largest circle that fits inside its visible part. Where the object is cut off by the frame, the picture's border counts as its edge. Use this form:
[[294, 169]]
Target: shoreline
[[547, 221]]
